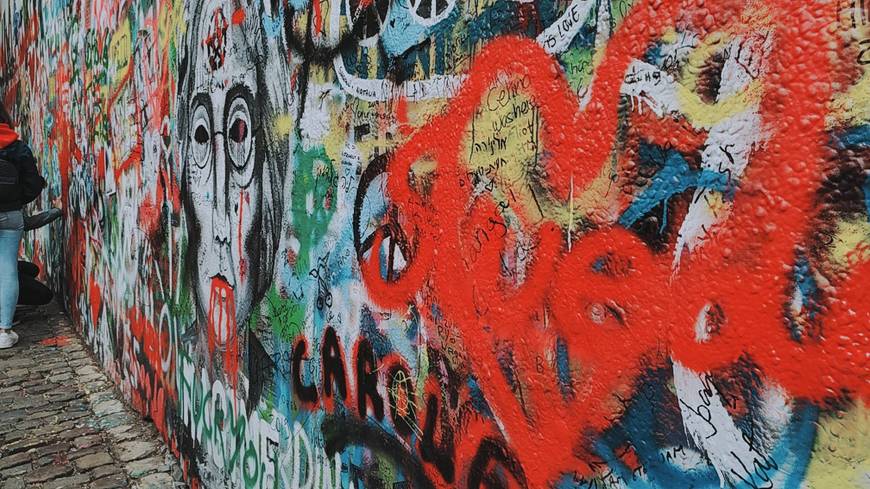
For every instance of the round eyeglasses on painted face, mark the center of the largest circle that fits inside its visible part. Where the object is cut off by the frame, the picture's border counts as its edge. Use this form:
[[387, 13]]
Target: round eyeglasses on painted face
[[238, 136]]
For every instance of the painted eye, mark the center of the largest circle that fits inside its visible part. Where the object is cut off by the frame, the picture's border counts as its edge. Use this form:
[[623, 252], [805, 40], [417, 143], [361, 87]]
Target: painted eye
[[239, 131], [201, 144], [239, 137], [201, 135]]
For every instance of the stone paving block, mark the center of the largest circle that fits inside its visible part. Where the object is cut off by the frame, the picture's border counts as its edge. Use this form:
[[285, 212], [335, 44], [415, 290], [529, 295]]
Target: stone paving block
[[124, 432], [25, 444], [107, 470], [95, 385], [16, 483], [67, 482], [11, 436], [97, 397], [93, 460], [53, 429], [63, 377], [87, 441], [110, 482], [45, 417], [86, 370], [141, 468], [18, 362], [29, 423], [113, 420], [17, 470], [11, 414], [63, 396], [72, 415], [47, 473], [53, 365], [49, 459], [52, 449], [76, 432], [13, 460], [16, 382], [159, 480], [134, 450], [95, 377], [107, 407], [79, 453], [29, 403]]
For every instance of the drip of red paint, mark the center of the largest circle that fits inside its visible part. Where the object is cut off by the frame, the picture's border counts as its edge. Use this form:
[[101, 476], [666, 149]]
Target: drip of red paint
[[318, 17]]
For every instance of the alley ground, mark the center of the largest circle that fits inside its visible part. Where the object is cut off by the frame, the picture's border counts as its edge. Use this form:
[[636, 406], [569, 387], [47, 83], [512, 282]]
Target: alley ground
[[62, 423]]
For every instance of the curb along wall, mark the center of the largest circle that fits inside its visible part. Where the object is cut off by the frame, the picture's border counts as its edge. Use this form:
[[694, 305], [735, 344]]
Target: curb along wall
[[414, 243]]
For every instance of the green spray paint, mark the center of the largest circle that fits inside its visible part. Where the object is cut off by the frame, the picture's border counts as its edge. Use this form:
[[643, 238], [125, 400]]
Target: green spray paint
[[313, 201]]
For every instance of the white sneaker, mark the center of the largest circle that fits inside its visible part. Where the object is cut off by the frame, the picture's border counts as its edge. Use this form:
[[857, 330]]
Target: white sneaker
[[8, 338]]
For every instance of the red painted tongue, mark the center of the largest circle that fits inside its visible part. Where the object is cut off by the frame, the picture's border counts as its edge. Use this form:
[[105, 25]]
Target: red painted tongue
[[221, 313], [222, 326]]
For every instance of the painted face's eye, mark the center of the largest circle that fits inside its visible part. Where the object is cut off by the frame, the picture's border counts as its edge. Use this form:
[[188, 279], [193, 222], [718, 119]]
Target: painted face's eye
[[201, 136], [239, 131], [239, 137]]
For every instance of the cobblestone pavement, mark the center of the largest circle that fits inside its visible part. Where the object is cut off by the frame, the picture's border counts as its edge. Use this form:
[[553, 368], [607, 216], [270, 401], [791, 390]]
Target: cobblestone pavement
[[62, 423]]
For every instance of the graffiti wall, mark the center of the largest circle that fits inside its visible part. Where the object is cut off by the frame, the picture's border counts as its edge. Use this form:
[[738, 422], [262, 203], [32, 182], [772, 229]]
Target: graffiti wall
[[465, 243]]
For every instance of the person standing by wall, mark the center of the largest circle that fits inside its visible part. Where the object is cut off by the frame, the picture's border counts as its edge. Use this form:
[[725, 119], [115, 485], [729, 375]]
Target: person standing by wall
[[20, 184]]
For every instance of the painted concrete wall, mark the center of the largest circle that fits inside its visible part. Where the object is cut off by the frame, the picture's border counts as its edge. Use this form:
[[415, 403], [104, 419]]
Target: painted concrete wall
[[476, 243]]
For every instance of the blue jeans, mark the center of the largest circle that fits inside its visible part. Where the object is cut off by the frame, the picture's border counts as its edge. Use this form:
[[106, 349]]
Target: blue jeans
[[11, 229]]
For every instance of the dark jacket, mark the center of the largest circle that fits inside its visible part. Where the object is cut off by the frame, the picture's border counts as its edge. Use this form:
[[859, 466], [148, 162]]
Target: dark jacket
[[30, 182]]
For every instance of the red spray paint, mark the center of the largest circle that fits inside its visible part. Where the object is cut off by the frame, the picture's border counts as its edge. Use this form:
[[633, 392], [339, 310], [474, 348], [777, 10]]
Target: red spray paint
[[222, 327], [744, 268]]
